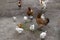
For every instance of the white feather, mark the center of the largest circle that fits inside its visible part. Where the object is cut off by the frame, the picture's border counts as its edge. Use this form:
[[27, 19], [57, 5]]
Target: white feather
[[32, 27], [19, 30], [43, 34]]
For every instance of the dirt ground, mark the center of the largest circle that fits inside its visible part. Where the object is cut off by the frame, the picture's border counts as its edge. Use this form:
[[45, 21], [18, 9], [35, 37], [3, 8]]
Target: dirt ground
[[9, 8]]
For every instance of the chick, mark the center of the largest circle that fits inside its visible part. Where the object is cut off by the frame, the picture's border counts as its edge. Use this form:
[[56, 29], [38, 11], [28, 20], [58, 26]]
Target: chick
[[29, 11], [43, 35], [32, 27], [19, 3], [19, 28]]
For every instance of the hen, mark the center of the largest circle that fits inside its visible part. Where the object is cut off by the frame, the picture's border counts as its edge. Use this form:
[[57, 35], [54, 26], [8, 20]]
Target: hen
[[40, 20], [19, 28], [29, 11], [19, 3]]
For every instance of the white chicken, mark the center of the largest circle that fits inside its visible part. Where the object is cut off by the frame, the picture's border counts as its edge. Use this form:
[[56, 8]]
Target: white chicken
[[43, 16], [43, 35], [31, 18], [14, 18], [25, 18], [19, 30], [32, 27]]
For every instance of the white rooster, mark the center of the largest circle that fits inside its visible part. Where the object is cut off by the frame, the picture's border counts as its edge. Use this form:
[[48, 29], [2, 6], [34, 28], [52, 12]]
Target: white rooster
[[19, 30], [43, 35], [32, 27]]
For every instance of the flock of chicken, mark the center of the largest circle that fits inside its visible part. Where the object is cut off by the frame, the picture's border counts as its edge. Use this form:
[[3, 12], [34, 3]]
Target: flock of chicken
[[41, 20]]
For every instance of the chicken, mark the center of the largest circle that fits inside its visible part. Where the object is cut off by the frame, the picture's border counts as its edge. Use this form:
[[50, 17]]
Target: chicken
[[19, 28], [43, 3], [29, 12], [40, 21], [32, 27], [43, 35], [14, 18], [19, 3], [25, 19]]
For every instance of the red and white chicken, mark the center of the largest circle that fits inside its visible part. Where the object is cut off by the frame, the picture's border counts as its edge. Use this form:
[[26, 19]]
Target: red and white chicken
[[19, 28]]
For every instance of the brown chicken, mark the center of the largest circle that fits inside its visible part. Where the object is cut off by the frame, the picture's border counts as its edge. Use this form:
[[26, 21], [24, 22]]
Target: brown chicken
[[19, 25], [19, 3], [40, 21], [29, 11]]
